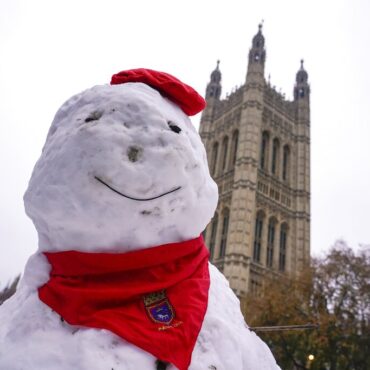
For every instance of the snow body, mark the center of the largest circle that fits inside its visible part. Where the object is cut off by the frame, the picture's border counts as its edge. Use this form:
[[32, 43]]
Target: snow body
[[122, 169]]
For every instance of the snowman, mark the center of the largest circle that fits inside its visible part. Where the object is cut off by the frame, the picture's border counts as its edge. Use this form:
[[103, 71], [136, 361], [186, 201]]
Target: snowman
[[121, 279]]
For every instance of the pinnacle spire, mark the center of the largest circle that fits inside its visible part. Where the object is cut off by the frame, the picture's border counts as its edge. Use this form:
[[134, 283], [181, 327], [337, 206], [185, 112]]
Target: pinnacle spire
[[302, 88], [257, 53], [214, 86], [302, 75]]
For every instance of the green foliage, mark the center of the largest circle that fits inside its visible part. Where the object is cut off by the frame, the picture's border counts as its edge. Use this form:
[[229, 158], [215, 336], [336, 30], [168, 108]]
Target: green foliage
[[334, 292], [9, 290]]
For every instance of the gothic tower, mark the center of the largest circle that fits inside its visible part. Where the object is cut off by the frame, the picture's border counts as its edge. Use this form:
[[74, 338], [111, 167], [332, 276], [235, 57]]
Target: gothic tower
[[258, 147]]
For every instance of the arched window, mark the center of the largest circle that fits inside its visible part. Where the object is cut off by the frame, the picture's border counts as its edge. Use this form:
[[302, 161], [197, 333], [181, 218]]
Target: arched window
[[275, 156], [286, 162], [264, 150], [234, 148], [283, 246], [214, 158], [225, 144], [212, 242], [225, 228], [270, 242], [258, 237]]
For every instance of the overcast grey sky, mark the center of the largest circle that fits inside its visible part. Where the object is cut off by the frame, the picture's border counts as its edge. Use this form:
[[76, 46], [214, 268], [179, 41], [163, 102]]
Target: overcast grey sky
[[50, 50]]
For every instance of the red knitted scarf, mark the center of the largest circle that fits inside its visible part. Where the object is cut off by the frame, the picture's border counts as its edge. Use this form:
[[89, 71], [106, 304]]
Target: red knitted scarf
[[154, 298]]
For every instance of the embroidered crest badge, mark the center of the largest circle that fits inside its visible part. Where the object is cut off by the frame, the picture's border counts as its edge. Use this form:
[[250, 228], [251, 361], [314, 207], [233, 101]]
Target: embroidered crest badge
[[159, 308]]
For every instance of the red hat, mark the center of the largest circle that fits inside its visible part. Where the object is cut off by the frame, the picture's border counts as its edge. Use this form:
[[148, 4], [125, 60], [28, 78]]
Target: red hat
[[170, 87]]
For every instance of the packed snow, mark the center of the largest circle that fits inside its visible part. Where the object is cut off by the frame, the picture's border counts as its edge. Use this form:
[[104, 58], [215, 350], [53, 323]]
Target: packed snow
[[120, 134], [122, 169]]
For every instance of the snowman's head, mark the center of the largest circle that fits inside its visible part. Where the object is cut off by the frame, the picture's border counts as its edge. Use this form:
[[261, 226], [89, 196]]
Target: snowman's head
[[122, 168]]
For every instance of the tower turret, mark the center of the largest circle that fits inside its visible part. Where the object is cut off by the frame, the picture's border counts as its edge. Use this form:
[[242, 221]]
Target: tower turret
[[213, 90], [302, 102], [257, 55], [213, 93], [301, 88]]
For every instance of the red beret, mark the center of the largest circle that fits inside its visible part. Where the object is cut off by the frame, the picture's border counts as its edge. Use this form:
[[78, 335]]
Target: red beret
[[170, 87]]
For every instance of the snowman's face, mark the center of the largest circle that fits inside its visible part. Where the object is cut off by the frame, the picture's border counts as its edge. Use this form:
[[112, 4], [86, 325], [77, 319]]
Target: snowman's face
[[123, 168]]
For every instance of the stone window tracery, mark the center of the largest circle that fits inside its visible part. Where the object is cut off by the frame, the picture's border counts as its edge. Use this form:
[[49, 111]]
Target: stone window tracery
[[286, 162], [270, 242], [212, 242], [264, 150], [225, 144], [275, 156], [234, 147], [283, 246], [214, 158], [258, 237], [225, 228]]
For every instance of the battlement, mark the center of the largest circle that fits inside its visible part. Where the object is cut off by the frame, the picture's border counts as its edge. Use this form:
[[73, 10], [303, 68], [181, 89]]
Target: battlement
[[230, 102], [277, 101]]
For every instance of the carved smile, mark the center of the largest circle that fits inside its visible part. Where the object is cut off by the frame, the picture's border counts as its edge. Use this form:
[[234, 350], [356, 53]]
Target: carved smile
[[139, 199]]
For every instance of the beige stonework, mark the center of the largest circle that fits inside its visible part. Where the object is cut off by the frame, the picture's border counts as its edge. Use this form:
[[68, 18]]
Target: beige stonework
[[258, 148]]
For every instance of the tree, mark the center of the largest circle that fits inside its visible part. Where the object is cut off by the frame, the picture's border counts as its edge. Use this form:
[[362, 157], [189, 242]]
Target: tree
[[9, 290], [342, 288], [333, 292]]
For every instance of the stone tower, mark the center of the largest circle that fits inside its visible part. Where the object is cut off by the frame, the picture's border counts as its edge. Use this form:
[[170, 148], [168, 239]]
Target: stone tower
[[258, 147]]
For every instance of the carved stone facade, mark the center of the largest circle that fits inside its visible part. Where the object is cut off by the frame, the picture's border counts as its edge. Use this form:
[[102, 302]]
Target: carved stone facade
[[258, 147]]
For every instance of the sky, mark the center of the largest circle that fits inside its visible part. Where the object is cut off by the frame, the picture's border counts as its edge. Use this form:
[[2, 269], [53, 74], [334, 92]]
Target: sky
[[50, 50]]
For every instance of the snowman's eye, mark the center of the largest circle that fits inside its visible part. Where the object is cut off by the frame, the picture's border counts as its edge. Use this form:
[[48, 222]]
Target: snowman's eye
[[173, 127], [94, 116]]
